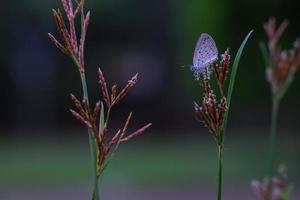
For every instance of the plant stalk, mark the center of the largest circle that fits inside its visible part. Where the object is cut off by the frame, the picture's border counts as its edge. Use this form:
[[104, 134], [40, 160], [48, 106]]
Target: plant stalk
[[92, 144], [220, 171], [272, 142], [223, 130]]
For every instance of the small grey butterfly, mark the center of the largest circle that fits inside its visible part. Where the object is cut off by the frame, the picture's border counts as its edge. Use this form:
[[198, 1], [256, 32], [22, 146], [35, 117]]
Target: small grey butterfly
[[205, 54]]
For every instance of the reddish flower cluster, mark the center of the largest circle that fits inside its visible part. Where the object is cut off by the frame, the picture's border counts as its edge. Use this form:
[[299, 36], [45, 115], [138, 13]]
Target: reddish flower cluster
[[98, 124], [279, 186], [114, 98], [89, 117], [283, 64], [274, 33], [70, 45], [212, 111], [221, 71]]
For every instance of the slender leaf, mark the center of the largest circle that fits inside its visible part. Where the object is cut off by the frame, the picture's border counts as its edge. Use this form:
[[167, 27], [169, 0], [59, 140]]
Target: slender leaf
[[232, 78], [101, 119], [265, 53]]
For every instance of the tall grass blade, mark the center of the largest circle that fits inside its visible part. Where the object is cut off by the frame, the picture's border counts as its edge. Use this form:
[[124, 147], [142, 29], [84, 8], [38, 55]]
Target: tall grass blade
[[233, 76], [264, 52]]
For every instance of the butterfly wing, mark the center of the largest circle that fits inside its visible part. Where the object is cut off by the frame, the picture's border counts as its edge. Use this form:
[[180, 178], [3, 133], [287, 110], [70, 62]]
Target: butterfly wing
[[206, 52]]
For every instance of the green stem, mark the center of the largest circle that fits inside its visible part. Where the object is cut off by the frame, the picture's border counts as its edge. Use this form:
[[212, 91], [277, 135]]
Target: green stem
[[92, 143], [229, 95], [93, 152], [107, 116], [223, 129], [220, 171], [272, 141]]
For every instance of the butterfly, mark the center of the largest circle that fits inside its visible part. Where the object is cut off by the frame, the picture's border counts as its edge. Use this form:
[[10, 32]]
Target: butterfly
[[205, 54]]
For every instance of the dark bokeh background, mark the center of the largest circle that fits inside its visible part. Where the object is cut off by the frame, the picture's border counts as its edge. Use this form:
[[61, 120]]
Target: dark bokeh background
[[43, 150]]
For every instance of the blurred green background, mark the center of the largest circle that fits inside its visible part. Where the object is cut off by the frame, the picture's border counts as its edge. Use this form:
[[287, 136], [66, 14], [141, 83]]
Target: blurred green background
[[43, 150]]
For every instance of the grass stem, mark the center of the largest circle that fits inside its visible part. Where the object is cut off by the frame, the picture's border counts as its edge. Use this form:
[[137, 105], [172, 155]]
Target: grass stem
[[220, 171], [92, 144], [229, 95], [272, 142]]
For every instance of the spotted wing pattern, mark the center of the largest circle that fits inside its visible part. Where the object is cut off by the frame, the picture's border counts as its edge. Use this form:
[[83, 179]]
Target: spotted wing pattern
[[206, 52]]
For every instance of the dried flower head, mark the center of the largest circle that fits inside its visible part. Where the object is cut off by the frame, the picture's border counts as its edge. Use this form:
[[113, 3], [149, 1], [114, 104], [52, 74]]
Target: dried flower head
[[283, 64], [70, 44], [94, 118], [274, 33], [280, 186], [89, 117], [212, 111], [221, 70]]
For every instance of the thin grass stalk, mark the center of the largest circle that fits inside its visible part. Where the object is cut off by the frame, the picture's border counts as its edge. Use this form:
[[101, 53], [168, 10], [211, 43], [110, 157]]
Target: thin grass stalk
[[232, 80], [92, 145], [229, 95], [220, 171], [92, 141], [272, 142]]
